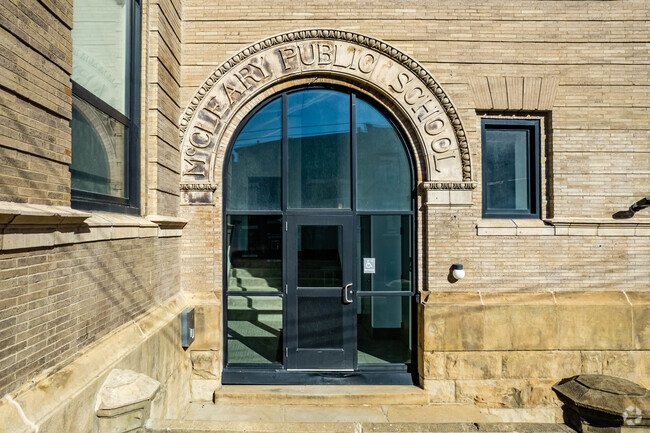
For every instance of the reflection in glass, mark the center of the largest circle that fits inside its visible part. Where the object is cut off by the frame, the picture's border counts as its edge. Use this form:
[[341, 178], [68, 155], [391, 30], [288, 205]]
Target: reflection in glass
[[97, 151], [507, 156], [100, 43], [319, 149], [320, 322], [384, 329], [254, 329], [254, 172], [319, 256], [254, 253], [383, 171], [387, 239]]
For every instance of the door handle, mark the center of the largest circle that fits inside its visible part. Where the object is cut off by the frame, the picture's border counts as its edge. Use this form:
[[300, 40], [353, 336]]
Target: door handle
[[346, 300]]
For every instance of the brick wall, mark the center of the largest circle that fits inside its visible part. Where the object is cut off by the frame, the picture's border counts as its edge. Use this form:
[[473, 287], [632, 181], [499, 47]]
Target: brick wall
[[600, 120], [35, 101], [530, 262], [596, 150], [55, 301], [161, 103]]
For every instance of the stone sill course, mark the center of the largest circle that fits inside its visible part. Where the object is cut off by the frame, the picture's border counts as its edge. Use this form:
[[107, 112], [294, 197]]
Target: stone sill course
[[562, 227], [24, 226]]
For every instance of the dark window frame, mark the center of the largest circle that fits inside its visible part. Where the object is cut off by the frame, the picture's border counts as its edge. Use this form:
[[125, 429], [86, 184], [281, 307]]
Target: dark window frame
[[367, 373], [533, 166], [130, 204]]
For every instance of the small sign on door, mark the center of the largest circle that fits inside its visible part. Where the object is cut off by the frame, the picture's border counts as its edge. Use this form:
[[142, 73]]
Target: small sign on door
[[369, 265]]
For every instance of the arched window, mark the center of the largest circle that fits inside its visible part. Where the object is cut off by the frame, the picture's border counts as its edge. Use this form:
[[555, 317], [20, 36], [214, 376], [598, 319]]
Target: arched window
[[319, 216]]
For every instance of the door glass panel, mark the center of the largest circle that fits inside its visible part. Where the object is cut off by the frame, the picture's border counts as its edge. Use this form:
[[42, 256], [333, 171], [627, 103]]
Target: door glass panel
[[254, 170], [387, 240], [319, 149], [254, 253], [384, 329], [319, 256], [320, 322], [507, 168], [254, 329], [383, 170]]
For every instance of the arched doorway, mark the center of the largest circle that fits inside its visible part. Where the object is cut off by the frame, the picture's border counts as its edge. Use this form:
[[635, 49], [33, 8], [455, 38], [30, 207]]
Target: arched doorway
[[318, 249]]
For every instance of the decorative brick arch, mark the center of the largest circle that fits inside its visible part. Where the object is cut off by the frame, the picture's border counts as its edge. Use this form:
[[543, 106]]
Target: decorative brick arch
[[393, 78]]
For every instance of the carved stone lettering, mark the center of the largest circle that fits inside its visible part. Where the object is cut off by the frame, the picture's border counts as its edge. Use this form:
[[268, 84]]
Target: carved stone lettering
[[233, 90], [344, 56], [367, 62], [441, 146], [325, 54], [200, 138], [434, 126], [207, 119], [196, 167], [340, 56], [415, 96], [287, 57], [307, 54], [400, 82]]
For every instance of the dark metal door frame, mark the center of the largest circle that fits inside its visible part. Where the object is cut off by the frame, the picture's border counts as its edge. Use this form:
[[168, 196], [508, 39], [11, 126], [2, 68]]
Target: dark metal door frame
[[384, 374], [320, 358]]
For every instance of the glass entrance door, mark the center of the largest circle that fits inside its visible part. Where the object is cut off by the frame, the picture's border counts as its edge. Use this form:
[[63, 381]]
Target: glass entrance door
[[318, 248], [321, 331]]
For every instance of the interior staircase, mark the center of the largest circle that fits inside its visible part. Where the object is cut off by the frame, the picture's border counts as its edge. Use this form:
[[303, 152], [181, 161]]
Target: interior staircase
[[255, 275]]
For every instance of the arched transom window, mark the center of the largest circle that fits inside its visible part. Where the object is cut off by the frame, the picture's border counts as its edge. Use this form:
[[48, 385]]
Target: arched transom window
[[318, 195]]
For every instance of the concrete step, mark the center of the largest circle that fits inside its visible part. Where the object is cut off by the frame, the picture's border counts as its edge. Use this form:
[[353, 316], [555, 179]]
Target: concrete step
[[204, 426], [320, 395]]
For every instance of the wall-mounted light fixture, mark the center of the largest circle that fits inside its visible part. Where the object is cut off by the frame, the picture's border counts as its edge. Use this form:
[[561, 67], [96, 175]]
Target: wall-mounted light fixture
[[640, 205], [457, 271], [634, 208]]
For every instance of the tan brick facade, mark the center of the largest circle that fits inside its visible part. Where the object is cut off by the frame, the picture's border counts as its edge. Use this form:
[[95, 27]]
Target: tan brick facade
[[542, 299]]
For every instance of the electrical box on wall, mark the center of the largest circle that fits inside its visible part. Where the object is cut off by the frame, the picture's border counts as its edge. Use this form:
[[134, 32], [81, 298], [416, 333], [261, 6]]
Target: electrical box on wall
[[187, 326]]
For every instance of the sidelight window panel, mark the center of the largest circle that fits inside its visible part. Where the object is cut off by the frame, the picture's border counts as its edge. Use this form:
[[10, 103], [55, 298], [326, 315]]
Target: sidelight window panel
[[254, 253], [254, 329], [384, 253], [384, 333]]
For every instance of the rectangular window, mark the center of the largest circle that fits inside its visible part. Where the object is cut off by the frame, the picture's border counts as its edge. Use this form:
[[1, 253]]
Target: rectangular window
[[511, 168], [104, 170]]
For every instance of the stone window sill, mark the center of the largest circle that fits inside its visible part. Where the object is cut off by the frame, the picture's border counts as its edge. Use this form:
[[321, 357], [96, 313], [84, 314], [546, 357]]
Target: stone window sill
[[25, 226], [564, 227]]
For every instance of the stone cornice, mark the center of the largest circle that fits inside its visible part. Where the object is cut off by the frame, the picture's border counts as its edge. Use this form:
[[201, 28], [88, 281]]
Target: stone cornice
[[464, 186], [198, 187]]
